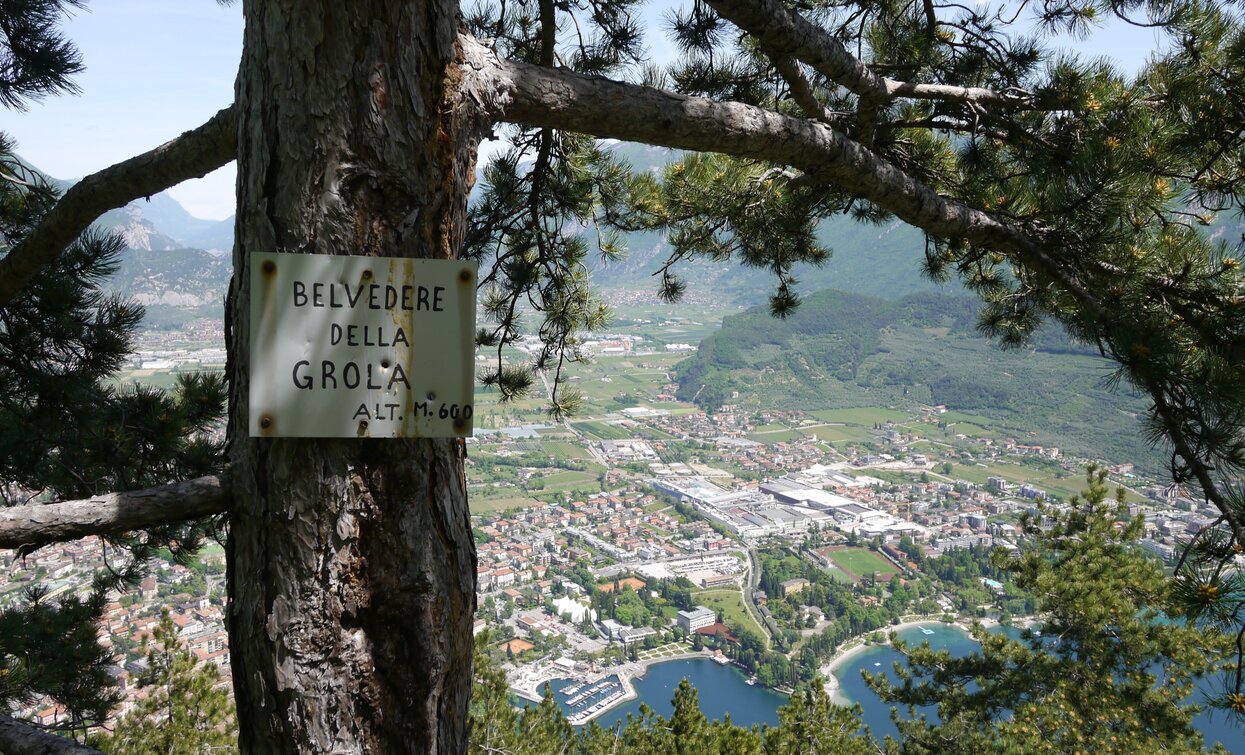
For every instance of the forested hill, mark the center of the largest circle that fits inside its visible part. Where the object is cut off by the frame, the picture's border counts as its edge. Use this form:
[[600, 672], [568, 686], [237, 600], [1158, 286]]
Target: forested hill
[[844, 350]]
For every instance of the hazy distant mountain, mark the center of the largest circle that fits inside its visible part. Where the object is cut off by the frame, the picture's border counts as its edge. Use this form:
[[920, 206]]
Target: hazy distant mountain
[[137, 230], [167, 214], [881, 261], [216, 237], [162, 268]]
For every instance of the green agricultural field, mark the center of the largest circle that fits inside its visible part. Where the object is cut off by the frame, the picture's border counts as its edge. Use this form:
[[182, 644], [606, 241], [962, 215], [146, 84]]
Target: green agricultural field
[[599, 392], [1019, 474], [731, 604], [951, 417], [838, 433], [656, 433], [780, 436], [570, 479], [602, 430], [769, 428], [564, 450], [862, 562], [485, 505], [947, 435], [866, 416], [971, 429], [150, 378]]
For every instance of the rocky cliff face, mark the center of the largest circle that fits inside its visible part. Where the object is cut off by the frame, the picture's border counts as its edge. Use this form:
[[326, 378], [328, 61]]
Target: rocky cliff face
[[138, 232], [162, 268], [175, 285]]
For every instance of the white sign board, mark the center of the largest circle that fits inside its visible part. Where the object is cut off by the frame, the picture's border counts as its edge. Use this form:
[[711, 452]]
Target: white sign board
[[361, 347]]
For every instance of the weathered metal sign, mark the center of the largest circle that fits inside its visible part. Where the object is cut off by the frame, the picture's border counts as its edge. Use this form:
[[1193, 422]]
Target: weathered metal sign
[[356, 347]]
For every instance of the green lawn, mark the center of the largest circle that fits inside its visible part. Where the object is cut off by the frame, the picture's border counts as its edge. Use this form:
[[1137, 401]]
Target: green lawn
[[838, 574], [731, 604], [569, 479]]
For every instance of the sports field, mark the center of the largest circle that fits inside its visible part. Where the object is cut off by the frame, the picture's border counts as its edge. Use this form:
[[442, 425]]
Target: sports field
[[861, 562]]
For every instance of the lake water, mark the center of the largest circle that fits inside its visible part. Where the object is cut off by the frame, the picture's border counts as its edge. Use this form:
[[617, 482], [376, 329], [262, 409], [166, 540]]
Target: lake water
[[722, 689], [1215, 726]]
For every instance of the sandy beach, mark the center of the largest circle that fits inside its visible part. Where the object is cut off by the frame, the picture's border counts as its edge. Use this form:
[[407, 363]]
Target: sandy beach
[[858, 645]]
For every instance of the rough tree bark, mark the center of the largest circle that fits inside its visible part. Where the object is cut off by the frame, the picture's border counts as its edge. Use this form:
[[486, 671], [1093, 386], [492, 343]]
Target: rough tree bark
[[352, 566]]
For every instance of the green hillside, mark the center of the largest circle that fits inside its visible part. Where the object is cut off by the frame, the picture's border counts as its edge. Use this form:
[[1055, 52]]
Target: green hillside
[[883, 261], [842, 350]]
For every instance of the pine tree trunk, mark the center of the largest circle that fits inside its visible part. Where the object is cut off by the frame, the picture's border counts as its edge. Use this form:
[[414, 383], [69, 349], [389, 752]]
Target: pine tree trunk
[[352, 566]]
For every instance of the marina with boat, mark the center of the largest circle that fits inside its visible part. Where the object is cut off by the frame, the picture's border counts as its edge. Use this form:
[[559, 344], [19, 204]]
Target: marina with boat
[[584, 690]]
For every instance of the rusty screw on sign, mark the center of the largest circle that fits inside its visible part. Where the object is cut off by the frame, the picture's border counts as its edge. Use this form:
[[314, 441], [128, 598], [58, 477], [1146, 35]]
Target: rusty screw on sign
[[269, 267], [460, 425], [362, 426], [367, 273], [464, 275], [265, 422]]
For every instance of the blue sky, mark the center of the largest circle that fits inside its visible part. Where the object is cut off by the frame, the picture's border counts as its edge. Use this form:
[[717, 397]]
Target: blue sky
[[155, 68]]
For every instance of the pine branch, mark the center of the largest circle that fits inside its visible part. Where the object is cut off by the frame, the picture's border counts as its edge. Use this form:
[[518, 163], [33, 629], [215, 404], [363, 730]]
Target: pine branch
[[784, 33], [39, 524], [191, 155], [18, 738], [557, 98]]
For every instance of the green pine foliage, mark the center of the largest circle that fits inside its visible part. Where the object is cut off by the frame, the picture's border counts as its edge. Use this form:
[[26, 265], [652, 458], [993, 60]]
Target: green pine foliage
[[1112, 670], [51, 647], [185, 710], [35, 59], [67, 431]]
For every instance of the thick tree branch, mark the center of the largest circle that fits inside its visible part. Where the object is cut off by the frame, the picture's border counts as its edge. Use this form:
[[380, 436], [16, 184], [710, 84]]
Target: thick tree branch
[[191, 155], [17, 738], [557, 98], [38, 524], [784, 33]]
